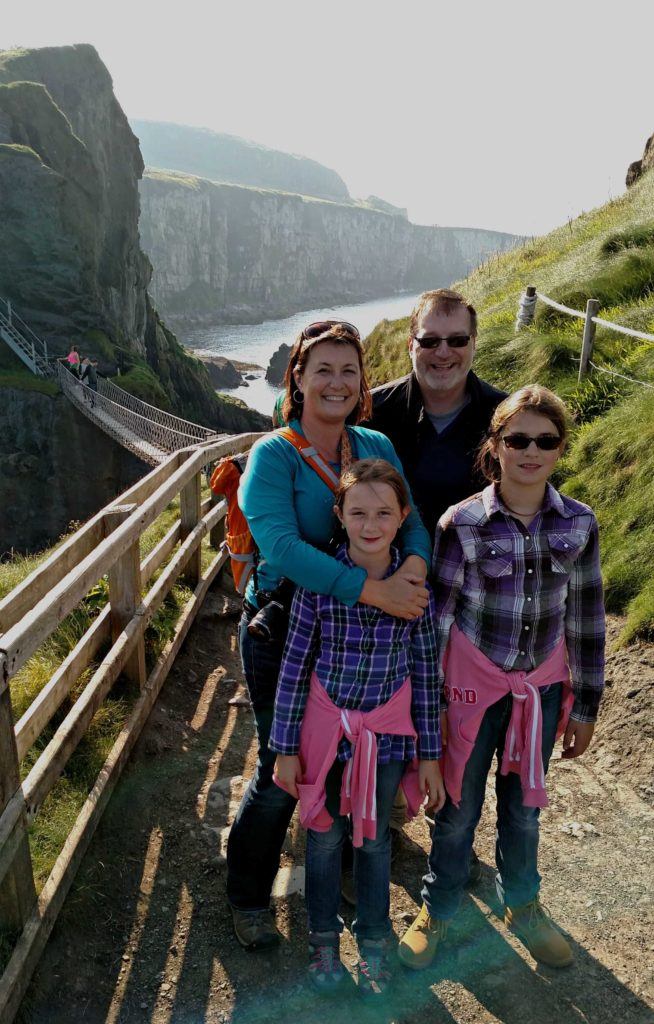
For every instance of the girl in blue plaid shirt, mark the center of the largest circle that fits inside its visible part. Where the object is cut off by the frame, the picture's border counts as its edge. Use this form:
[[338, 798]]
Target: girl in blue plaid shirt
[[356, 702], [520, 619]]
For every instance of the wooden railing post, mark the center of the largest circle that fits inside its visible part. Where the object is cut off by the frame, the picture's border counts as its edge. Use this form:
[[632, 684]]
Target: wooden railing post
[[125, 593], [526, 308], [190, 512], [17, 891], [588, 340]]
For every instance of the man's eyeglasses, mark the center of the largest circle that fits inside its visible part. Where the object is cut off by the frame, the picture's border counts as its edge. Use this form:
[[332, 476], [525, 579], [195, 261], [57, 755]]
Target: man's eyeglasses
[[546, 442], [323, 326], [454, 341]]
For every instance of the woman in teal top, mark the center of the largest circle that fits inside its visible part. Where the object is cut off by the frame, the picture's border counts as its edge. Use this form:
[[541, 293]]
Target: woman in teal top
[[289, 510]]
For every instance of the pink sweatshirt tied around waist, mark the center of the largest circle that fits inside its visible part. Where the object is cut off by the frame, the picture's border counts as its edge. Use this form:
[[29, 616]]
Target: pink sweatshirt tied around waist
[[472, 683], [323, 726]]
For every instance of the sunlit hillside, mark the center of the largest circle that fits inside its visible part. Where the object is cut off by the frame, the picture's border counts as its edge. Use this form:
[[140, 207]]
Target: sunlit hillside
[[607, 254]]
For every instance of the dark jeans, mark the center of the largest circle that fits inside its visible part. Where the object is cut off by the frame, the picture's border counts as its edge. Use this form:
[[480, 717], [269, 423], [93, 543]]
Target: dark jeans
[[256, 837], [372, 862], [516, 850]]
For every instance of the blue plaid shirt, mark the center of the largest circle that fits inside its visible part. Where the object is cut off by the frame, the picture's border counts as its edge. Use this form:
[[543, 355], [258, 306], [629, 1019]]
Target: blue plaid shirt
[[514, 591], [361, 656]]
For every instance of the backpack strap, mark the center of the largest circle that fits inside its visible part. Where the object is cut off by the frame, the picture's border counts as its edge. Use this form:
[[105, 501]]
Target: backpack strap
[[311, 456]]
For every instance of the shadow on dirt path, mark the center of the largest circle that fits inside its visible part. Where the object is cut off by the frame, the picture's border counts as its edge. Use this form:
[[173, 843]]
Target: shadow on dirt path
[[145, 935]]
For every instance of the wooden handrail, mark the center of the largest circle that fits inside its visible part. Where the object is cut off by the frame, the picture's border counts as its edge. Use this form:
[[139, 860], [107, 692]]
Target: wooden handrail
[[107, 544]]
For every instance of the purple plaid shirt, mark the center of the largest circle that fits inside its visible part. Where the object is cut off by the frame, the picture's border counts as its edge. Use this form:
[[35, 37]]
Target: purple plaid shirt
[[515, 590], [361, 656]]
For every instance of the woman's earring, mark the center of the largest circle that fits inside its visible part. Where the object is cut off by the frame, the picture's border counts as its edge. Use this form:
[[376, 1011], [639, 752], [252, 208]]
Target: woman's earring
[[297, 396]]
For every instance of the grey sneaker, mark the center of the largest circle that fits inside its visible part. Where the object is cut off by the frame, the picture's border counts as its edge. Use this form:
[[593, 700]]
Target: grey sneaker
[[373, 969], [255, 929], [326, 972]]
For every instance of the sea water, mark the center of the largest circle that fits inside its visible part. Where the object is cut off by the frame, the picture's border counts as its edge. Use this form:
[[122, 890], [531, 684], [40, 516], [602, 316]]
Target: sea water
[[256, 343]]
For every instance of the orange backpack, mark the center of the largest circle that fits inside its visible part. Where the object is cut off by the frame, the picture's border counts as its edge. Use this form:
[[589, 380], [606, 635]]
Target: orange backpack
[[224, 481]]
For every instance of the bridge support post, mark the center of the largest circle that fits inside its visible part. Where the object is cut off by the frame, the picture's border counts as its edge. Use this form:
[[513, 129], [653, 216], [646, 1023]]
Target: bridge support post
[[125, 593], [17, 890], [588, 340], [190, 509]]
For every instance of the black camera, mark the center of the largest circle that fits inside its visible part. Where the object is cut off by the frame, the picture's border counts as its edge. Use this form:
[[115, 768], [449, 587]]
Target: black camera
[[271, 621]]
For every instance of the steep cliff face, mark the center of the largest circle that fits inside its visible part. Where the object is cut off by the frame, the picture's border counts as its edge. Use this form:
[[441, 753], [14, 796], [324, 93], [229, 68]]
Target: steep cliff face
[[222, 157], [55, 466], [69, 167], [71, 260], [237, 253], [646, 163]]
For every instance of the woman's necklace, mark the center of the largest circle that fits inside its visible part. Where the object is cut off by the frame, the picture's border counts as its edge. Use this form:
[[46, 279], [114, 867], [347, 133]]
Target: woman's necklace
[[514, 510]]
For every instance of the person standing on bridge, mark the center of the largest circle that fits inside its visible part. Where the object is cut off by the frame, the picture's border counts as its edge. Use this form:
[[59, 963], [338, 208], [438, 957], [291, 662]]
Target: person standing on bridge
[[89, 376], [72, 360], [520, 618], [289, 510]]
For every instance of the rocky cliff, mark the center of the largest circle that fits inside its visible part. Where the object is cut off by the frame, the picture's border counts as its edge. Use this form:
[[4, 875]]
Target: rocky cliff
[[639, 167], [72, 266], [230, 252], [71, 261], [222, 157], [55, 466]]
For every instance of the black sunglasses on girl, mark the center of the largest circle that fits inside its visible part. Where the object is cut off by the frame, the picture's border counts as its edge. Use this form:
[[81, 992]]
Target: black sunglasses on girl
[[322, 326], [546, 442], [454, 341]]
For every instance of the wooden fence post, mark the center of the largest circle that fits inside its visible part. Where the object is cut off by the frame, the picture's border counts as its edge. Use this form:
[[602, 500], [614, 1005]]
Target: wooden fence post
[[526, 308], [190, 502], [588, 340], [125, 593], [17, 891]]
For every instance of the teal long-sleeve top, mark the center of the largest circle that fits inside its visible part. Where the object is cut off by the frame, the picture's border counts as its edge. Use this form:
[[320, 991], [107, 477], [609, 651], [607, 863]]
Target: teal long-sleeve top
[[290, 513]]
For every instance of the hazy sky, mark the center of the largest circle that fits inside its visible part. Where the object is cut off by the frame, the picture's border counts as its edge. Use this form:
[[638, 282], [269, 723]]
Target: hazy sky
[[490, 113]]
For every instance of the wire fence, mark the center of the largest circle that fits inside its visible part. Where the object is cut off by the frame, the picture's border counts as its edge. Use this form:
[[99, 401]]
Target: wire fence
[[527, 312]]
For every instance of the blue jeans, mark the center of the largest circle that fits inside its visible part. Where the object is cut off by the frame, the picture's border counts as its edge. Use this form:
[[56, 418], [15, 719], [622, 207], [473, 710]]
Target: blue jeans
[[372, 862], [516, 849], [257, 835]]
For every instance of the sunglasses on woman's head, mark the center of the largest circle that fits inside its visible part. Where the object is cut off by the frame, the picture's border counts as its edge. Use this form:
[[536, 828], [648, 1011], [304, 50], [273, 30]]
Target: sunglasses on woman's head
[[546, 442], [322, 326]]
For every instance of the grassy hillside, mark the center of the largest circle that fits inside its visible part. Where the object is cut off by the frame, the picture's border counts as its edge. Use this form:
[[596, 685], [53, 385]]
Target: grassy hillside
[[606, 254]]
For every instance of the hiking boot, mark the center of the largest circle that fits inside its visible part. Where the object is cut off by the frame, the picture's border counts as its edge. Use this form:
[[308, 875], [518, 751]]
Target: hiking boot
[[325, 968], [534, 927], [474, 875], [373, 968], [255, 929], [418, 945]]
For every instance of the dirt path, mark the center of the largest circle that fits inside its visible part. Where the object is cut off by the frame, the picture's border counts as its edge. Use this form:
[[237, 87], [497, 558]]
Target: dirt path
[[145, 935]]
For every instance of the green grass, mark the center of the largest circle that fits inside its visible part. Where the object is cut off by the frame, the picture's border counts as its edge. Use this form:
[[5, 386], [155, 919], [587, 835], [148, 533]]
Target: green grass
[[59, 811], [14, 374], [606, 254]]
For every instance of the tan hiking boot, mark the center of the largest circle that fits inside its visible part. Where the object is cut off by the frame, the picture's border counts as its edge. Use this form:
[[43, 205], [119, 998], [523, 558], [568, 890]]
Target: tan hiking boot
[[533, 925], [255, 929], [418, 945]]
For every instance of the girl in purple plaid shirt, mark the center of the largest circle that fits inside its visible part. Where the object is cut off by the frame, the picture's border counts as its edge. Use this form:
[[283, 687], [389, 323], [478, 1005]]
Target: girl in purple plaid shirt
[[520, 620], [356, 702]]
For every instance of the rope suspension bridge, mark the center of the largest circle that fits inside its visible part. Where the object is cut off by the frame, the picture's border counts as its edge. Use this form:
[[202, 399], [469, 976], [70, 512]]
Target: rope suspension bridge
[[148, 432]]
